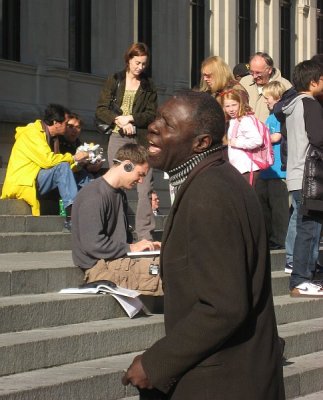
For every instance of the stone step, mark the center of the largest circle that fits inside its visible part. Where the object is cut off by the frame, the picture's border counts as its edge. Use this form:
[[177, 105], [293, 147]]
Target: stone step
[[313, 396], [26, 312], [50, 223], [41, 272], [89, 340], [96, 380], [278, 260], [52, 346], [290, 309], [34, 242], [28, 223], [281, 286], [302, 337], [303, 375], [22, 242], [101, 379]]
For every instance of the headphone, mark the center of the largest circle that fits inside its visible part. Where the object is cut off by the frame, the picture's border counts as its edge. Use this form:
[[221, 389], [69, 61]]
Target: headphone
[[129, 167]]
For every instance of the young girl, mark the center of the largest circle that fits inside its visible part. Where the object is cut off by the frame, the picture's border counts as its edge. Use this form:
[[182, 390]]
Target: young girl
[[242, 133]]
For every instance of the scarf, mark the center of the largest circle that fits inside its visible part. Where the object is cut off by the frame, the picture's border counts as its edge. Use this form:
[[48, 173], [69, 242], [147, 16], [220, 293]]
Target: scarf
[[178, 175]]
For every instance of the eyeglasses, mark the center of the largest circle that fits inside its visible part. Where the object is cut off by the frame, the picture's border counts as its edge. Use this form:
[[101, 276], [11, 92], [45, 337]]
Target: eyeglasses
[[77, 127]]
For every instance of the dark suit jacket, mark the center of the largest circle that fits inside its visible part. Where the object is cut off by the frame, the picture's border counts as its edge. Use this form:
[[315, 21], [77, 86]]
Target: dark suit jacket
[[221, 337]]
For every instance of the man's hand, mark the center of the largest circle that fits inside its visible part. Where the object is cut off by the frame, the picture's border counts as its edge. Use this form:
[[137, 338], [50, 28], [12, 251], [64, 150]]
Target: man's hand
[[81, 156], [144, 245], [136, 375], [94, 167], [157, 245]]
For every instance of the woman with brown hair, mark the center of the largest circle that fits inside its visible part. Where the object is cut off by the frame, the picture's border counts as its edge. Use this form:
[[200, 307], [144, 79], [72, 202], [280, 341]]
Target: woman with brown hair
[[128, 102]]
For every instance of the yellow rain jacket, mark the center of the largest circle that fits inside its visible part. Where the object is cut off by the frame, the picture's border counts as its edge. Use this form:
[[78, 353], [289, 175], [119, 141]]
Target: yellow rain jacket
[[29, 154]]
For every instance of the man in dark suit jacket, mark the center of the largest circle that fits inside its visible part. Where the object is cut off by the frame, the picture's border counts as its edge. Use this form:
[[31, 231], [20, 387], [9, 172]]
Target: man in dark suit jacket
[[221, 337]]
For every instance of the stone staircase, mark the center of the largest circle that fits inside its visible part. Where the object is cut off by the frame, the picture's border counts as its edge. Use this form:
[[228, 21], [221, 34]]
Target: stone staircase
[[55, 346]]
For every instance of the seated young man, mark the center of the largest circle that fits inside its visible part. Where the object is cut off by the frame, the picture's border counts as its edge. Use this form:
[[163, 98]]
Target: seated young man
[[34, 168], [99, 221]]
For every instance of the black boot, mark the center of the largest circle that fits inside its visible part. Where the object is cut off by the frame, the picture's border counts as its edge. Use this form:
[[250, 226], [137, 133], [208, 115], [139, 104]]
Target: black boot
[[68, 222]]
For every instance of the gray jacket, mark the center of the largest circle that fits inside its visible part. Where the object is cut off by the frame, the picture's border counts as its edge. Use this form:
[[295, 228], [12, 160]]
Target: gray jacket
[[297, 141]]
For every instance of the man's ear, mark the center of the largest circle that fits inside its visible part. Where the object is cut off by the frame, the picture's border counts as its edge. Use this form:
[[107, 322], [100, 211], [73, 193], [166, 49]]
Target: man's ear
[[202, 142]]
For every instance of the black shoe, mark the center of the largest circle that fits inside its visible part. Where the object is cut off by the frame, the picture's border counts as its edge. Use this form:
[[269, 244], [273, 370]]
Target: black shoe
[[319, 269], [67, 227], [275, 246]]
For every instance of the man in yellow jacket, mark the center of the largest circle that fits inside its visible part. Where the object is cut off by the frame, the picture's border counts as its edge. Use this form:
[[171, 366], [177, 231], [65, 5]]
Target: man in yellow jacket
[[35, 169]]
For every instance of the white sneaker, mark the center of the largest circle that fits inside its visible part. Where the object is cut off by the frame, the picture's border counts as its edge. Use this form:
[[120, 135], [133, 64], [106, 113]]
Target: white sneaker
[[307, 289]]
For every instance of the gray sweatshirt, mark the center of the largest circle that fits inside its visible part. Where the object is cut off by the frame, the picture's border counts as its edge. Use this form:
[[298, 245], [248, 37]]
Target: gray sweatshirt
[[99, 224], [304, 124]]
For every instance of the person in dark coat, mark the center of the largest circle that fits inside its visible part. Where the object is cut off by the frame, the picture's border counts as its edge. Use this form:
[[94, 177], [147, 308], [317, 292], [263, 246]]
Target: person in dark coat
[[221, 337]]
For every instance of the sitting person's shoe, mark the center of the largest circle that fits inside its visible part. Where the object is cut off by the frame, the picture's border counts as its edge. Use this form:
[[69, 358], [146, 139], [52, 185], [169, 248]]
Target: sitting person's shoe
[[67, 226], [319, 268], [275, 246], [307, 289], [288, 268]]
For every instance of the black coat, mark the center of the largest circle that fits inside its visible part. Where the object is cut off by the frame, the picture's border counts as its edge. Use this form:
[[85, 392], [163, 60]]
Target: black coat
[[221, 337]]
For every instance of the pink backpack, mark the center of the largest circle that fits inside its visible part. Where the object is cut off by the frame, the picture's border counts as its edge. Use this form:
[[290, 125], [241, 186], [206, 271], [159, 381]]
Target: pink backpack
[[262, 156]]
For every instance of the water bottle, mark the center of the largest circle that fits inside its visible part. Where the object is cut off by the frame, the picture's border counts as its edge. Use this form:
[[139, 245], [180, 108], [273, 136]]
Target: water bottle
[[62, 211]]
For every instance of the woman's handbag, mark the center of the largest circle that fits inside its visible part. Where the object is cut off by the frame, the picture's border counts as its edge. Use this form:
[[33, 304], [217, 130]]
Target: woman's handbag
[[141, 274], [103, 127]]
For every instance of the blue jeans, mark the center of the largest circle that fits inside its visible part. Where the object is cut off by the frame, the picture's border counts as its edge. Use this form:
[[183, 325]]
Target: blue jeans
[[82, 178], [291, 234], [61, 177], [306, 248]]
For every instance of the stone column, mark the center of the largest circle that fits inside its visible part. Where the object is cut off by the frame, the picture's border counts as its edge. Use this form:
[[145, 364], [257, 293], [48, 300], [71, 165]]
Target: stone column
[[44, 32], [171, 46], [112, 34], [306, 23]]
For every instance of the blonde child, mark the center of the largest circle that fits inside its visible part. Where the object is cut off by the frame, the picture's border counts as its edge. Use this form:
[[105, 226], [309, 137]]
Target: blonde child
[[242, 133], [271, 186]]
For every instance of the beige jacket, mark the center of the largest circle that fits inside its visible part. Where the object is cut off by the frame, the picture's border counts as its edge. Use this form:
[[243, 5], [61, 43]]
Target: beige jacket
[[256, 100]]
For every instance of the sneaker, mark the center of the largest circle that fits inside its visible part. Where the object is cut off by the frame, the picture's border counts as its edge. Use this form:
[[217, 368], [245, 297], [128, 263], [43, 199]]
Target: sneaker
[[307, 289], [288, 268], [67, 227]]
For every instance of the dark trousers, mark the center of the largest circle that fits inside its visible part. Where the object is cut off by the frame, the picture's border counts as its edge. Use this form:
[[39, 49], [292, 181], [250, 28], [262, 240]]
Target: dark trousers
[[273, 197]]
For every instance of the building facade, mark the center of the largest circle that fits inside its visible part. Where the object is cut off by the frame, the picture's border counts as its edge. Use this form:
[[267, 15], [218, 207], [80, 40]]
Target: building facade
[[61, 50]]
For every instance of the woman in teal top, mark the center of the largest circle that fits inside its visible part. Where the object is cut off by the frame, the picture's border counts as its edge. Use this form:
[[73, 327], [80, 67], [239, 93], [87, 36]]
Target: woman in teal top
[[136, 98]]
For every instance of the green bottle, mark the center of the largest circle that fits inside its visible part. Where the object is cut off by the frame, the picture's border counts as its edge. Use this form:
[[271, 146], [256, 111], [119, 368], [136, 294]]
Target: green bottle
[[62, 211]]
